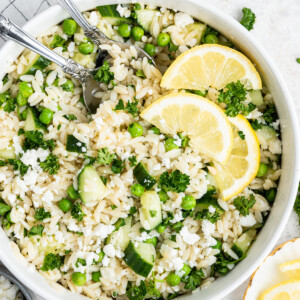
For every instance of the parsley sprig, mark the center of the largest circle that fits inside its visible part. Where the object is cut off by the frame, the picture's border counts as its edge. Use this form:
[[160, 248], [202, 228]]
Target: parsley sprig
[[131, 107], [248, 19], [175, 181], [243, 204]]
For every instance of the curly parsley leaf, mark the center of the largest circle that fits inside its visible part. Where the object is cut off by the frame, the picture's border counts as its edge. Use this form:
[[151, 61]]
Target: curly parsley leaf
[[193, 280], [3, 163], [133, 161], [140, 73], [140, 292], [35, 139], [80, 261], [104, 74], [270, 114], [234, 97], [204, 214], [52, 261], [18, 165], [36, 230], [59, 41], [104, 157], [176, 181], [255, 124], [41, 214], [223, 262], [70, 117], [243, 204], [51, 164], [131, 107], [241, 135], [77, 213], [248, 19], [117, 166]]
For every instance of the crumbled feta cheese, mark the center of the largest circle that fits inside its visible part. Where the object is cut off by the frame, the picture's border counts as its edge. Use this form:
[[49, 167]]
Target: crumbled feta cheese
[[211, 209], [177, 263], [109, 250], [71, 47], [123, 11], [59, 236], [105, 261], [103, 230], [189, 237], [208, 228], [48, 197], [12, 198], [73, 227], [166, 162], [177, 217], [90, 257], [33, 157], [157, 167], [183, 19]]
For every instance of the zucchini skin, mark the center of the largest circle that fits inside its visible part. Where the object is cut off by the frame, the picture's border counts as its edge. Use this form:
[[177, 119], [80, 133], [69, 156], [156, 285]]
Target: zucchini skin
[[72, 145], [40, 64], [135, 262], [143, 177]]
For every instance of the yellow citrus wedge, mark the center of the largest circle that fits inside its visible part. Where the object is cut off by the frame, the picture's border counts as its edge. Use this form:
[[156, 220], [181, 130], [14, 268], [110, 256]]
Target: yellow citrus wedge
[[200, 119], [242, 166], [210, 66], [289, 290], [291, 269]]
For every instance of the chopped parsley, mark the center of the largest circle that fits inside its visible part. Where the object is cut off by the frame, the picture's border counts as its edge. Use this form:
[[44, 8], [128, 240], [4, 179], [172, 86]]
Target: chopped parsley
[[76, 212], [18, 165], [59, 41], [51, 164], [104, 179], [80, 261], [104, 74], [104, 157], [204, 214], [241, 135], [270, 114], [243, 204], [113, 207], [234, 98], [140, 292], [255, 124], [52, 261], [140, 73], [41, 214], [70, 117], [176, 181], [132, 210], [133, 161], [35, 139], [221, 266], [193, 280], [36, 230], [248, 19], [131, 107], [3, 163], [117, 166], [4, 208]]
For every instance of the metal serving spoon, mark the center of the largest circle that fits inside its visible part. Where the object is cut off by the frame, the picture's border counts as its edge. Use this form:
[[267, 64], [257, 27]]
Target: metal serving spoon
[[93, 33], [69, 66]]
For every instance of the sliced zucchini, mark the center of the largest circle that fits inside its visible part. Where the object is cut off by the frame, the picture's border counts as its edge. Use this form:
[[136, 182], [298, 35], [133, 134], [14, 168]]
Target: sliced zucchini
[[8, 153], [241, 246], [266, 134], [111, 15], [140, 258], [120, 238], [90, 186], [199, 27], [206, 202], [84, 60], [256, 97], [74, 145], [145, 17], [143, 177], [32, 121], [151, 210], [39, 63]]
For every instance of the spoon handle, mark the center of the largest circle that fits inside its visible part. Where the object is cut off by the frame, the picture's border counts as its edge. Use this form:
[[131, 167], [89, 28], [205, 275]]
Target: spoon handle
[[90, 31], [15, 33]]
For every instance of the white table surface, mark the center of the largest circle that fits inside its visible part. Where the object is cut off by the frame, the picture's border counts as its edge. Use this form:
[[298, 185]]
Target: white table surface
[[277, 27]]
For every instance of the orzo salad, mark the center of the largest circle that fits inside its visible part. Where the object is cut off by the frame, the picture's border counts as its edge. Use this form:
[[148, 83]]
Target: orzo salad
[[164, 189]]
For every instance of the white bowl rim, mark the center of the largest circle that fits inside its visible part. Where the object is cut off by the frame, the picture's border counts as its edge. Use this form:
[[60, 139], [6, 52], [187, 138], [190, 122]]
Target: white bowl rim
[[256, 52]]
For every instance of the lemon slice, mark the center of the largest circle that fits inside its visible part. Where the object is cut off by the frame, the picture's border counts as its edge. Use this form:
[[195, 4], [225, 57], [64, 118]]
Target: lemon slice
[[210, 66], [200, 119], [242, 166], [289, 290], [291, 269]]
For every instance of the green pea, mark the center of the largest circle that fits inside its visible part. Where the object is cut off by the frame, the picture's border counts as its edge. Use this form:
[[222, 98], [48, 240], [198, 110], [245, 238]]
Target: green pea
[[163, 39], [137, 189], [86, 48], [211, 39], [65, 205], [68, 86], [21, 100], [78, 278], [101, 255], [170, 145], [135, 129], [137, 33], [186, 269], [46, 116], [124, 30], [271, 195], [152, 241], [25, 89], [163, 196], [96, 276], [188, 202], [69, 27], [72, 193], [161, 228], [155, 130], [173, 279], [262, 170], [149, 49]]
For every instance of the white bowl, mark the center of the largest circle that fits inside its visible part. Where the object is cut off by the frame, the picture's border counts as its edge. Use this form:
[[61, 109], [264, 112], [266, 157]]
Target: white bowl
[[290, 158]]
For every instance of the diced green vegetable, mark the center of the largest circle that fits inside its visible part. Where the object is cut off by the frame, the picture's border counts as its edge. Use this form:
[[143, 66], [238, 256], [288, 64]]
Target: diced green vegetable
[[111, 15], [74, 145], [32, 122], [256, 97], [143, 177], [84, 60], [266, 134], [38, 63], [145, 18], [8, 153], [241, 246], [199, 28]]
